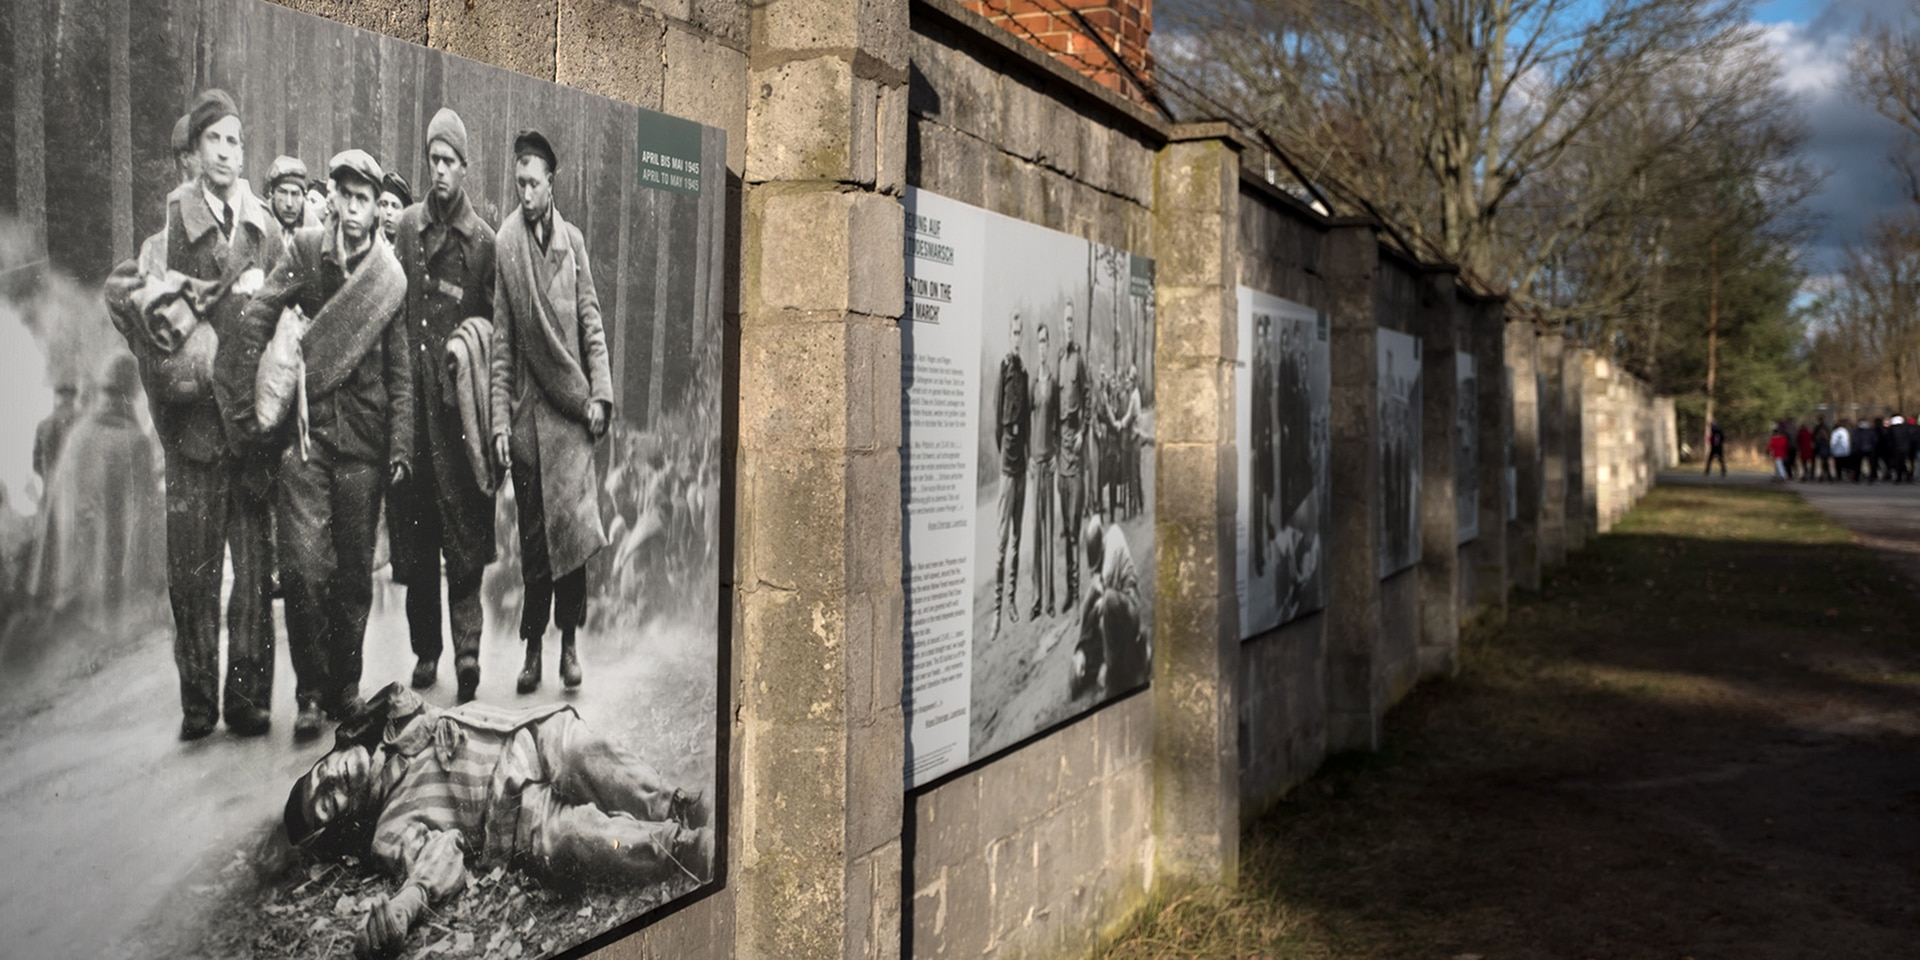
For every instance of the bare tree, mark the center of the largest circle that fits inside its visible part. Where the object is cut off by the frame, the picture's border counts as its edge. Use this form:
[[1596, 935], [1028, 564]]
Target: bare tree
[[1500, 134]]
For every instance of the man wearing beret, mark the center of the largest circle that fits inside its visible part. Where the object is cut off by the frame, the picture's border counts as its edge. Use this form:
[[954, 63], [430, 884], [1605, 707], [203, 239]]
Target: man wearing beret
[[216, 231], [343, 279], [552, 398], [445, 507], [395, 196], [287, 198]]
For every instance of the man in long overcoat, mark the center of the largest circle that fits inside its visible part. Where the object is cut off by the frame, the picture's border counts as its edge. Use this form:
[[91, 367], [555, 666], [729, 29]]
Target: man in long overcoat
[[358, 420], [1046, 440], [216, 231], [552, 398], [445, 507]]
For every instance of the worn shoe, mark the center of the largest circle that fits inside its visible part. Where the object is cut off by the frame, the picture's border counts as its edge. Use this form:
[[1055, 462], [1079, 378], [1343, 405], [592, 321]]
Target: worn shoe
[[693, 850], [467, 669], [310, 722], [689, 808], [426, 673], [344, 707], [249, 721], [569, 664], [194, 728], [530, 671]]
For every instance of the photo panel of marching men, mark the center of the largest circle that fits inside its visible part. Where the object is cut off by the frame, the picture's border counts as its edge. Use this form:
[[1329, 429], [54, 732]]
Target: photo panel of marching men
[[1063, 561], [1282, 409], [359, 433], [1400, 435], [1466, 457]]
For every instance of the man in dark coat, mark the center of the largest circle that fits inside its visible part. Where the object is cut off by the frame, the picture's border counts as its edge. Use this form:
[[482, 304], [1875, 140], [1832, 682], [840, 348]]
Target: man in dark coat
[[218, 232], [52, 431], [444, 508], [1011, 409], [1076, 412], [552, 400], [1045, 399], [357, 432], [1261, 525]]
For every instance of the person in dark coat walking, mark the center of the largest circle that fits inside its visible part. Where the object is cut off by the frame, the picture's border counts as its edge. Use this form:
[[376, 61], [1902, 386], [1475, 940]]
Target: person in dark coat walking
[[552, 399], [357, 433], [218, 234], [1076, 414], [1264, 463], [445, 507], [1716, 448], [1045, 399], [1012, 410], [52, 432]]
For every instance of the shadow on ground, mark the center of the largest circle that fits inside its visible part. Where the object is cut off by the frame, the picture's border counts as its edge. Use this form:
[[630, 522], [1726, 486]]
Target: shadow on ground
[[1698, 740]]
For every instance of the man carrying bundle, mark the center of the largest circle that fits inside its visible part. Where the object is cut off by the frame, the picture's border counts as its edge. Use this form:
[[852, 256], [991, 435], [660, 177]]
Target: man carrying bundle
[[445, 506], [342, 284]]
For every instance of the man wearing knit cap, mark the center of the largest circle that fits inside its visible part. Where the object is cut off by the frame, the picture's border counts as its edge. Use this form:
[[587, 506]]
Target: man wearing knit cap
[[216, 477], [445, 507], [345, 282], [552, 398], [287, 198]]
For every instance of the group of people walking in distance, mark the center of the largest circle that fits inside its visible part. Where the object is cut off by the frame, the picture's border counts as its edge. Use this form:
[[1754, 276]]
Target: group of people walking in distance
[[1870, 451], [340, 345]]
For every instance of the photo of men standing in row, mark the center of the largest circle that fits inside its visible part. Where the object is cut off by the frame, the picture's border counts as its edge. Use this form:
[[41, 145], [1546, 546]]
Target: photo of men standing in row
[[355, 391]]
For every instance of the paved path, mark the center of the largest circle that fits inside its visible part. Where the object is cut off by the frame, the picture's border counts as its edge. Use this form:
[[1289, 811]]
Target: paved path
[[1885, 516]]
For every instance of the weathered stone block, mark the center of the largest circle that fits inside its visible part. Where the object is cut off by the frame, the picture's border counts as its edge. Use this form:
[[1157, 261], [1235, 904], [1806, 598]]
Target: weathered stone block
[[804, 681], [706, 81], [612, 48], [1193, 322], [800, 121], [875, 27], [890, 174], [400, 19], [877, 224], [726, 20], [1195, 405], [805, 258], [799, 503], [515, 34], [793, 385]]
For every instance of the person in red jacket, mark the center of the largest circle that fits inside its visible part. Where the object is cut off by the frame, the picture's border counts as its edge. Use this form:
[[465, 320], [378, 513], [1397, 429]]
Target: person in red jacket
[[1805, 441], [1777, 446]]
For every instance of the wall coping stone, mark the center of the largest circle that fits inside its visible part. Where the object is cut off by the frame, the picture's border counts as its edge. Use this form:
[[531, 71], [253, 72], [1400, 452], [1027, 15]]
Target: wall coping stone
[[1141, 121]]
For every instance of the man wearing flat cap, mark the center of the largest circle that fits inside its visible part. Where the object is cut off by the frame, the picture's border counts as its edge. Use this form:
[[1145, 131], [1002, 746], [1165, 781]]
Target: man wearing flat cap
[[552, 397], [218, 234], [287, 198], [347, 288], [444, 509]]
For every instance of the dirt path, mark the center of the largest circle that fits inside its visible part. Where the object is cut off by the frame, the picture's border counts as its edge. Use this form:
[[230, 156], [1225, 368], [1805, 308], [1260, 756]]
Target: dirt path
[[1701, 739], [116, 833]]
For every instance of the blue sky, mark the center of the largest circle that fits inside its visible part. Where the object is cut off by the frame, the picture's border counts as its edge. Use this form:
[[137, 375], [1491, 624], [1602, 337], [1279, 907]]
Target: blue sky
[[1848, 140]]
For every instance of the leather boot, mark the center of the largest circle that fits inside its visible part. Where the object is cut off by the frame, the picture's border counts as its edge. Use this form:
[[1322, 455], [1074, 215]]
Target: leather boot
[[569, 661], [530, 671]]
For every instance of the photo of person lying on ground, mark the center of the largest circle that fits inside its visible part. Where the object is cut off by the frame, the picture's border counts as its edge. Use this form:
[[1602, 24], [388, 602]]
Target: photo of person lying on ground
[[422, 792]]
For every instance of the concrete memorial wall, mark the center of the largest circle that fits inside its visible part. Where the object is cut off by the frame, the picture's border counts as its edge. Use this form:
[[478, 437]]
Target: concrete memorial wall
[[1322, 457]]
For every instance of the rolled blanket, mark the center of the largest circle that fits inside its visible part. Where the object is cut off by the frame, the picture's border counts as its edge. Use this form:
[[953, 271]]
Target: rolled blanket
[[281, 371], [466, 394]]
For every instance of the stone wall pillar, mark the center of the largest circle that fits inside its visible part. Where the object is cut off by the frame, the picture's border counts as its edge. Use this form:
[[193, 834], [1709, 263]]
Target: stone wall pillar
[[1439, 644], [1523, 533], [1553, 450], [1356, 685], [818, 720], [1592, 402], [1496, 427], [1196, 656]]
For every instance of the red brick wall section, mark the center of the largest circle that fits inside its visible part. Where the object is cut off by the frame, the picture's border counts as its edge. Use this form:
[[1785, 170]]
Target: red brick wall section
[[1125, 25]]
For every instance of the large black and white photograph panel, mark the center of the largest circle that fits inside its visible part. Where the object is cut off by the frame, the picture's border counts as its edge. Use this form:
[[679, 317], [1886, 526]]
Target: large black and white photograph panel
[[1282, 416], [1466, 454], [1063, 528], [1400, 451], [1028, 464], [359, 494]]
